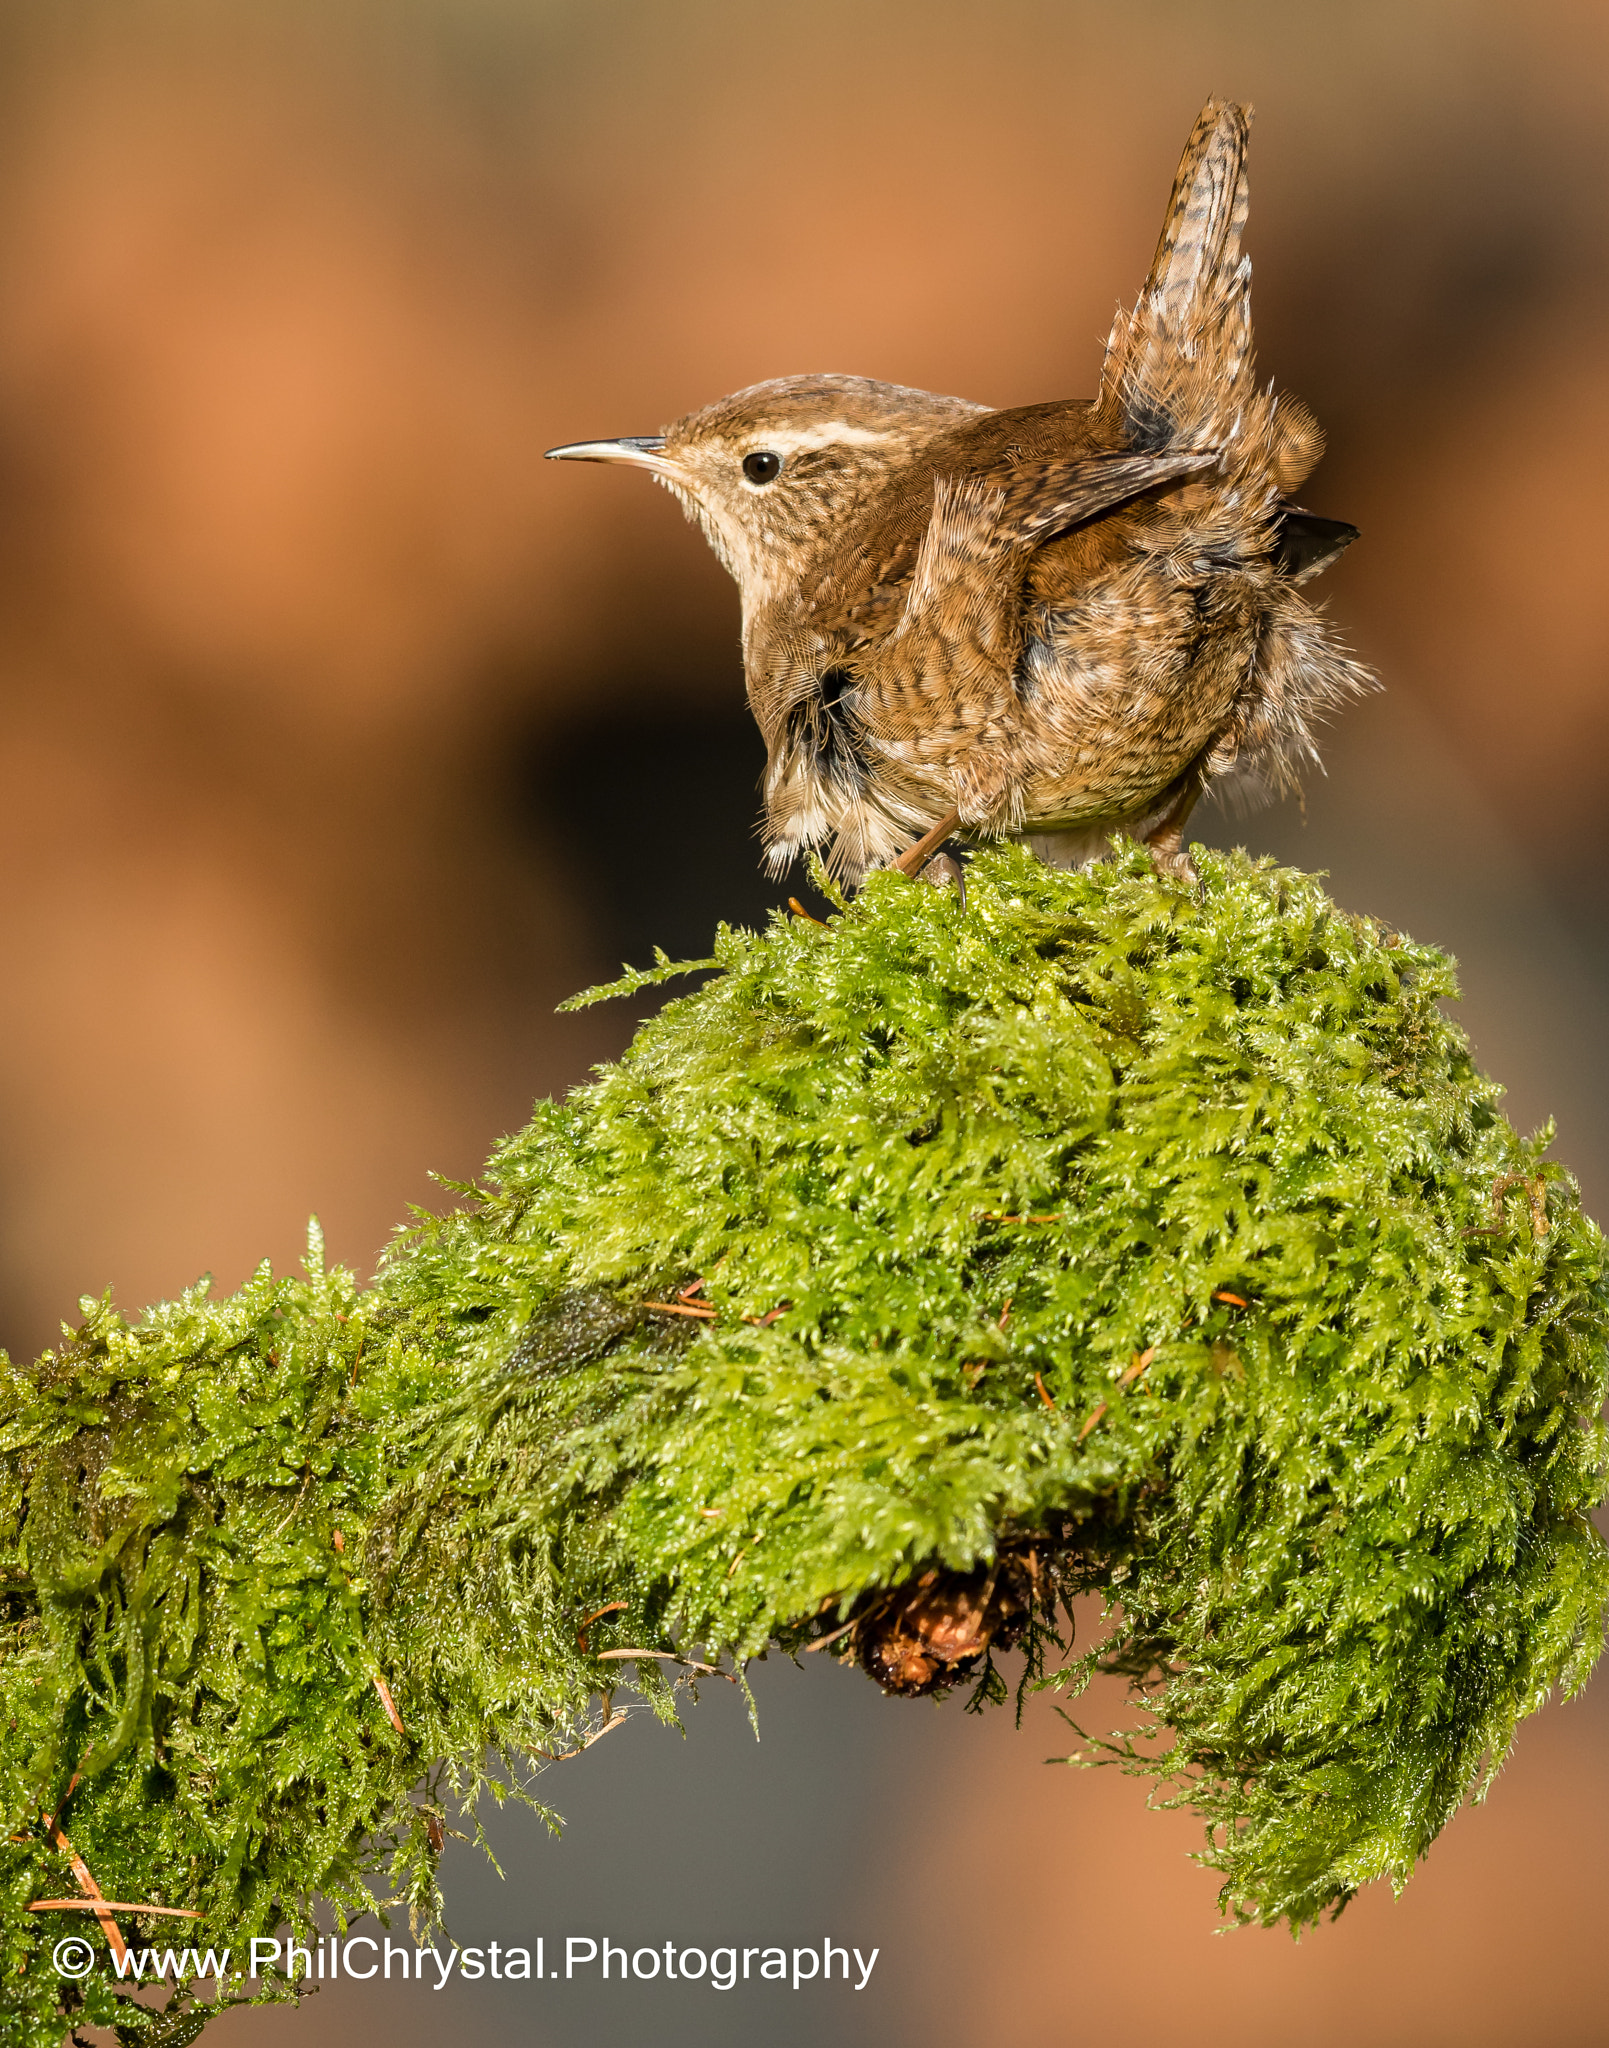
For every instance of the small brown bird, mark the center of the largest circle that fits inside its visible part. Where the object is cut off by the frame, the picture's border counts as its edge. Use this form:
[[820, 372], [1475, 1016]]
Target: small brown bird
[[1058, 621]]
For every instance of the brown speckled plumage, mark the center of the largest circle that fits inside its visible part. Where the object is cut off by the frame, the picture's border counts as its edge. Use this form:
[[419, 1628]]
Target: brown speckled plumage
[[1060, 620]]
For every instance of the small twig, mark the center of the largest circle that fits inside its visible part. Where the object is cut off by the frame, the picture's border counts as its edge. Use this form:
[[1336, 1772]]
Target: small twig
[[1044, 1392], [799, 910], [682, 1308], [388, 1703], [915, 856], [764, 1322], [1005, 1313], [110, 1906], [686, 1293], [999, 1216], [614, 1607], [670, 1657]]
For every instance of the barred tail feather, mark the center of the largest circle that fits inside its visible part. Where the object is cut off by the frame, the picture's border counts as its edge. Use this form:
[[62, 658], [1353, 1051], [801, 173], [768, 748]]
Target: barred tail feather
[[1178, 367]]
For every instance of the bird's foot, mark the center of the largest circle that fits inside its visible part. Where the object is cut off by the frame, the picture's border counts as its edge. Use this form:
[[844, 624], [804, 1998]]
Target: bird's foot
[[1165, 841], [1173, 864], [945, 871]]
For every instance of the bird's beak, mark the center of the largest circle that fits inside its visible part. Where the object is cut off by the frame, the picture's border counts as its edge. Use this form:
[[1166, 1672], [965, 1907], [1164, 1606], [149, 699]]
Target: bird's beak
[[643, 451]]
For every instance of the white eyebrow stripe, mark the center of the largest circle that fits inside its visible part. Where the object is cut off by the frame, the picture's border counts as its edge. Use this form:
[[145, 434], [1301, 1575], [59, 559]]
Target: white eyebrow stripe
[[826, 434]]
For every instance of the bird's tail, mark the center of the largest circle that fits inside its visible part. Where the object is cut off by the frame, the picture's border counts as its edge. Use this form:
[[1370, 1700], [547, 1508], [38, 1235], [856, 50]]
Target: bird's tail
[[1178, 367]]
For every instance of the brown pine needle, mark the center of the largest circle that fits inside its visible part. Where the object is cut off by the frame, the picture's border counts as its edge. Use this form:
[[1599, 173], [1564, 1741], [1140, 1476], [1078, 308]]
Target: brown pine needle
[[1239, 1300], [388, 1703], [670, 1657], [614, 1607], [1536, 1189], [110, 1906], [99, 1904], [1131, 1372], [1044, 1391], [1136, 1366], [566, 1756], [822, 1642], [682, 1308], [72, 1787]]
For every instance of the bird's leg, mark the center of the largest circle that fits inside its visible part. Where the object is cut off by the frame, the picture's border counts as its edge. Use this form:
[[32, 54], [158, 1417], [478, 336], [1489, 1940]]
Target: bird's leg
[[1165, 840], [917, 856]]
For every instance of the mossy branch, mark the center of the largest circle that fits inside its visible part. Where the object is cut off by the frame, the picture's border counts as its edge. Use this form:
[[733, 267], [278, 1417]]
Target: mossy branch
[[1104, 1233]]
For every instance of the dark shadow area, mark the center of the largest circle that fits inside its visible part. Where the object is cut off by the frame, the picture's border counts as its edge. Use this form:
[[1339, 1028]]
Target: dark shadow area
[[656, 812]]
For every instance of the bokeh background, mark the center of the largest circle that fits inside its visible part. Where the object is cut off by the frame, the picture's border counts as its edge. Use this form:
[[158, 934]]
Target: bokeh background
[[340, 738]]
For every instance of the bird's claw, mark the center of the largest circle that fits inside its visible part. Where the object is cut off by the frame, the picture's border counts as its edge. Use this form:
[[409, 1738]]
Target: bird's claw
[[944, 871]]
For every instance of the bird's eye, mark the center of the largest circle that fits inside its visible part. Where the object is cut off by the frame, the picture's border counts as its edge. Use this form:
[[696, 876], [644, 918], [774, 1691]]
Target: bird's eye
[[762, 467]]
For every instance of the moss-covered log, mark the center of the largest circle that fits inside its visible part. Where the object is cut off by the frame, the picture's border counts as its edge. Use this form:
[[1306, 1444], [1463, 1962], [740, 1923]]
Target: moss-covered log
[[915, 1273]]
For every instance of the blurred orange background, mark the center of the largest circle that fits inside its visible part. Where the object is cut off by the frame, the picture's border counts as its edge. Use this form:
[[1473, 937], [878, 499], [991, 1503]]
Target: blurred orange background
[[340, 738]]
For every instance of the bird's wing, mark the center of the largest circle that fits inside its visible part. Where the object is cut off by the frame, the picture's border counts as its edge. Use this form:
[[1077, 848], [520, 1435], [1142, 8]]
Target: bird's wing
[[960, 545], [1043, 499], [976, 521]]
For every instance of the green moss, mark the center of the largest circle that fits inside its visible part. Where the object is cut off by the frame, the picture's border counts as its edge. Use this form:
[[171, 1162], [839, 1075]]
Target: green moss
[[1341, 1517]]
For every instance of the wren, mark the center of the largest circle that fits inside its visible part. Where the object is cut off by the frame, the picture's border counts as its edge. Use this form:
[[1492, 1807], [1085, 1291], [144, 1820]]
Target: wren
[[1057, 621]]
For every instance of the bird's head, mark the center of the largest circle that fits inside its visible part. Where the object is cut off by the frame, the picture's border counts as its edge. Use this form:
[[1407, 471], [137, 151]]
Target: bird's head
[[774, 473]]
